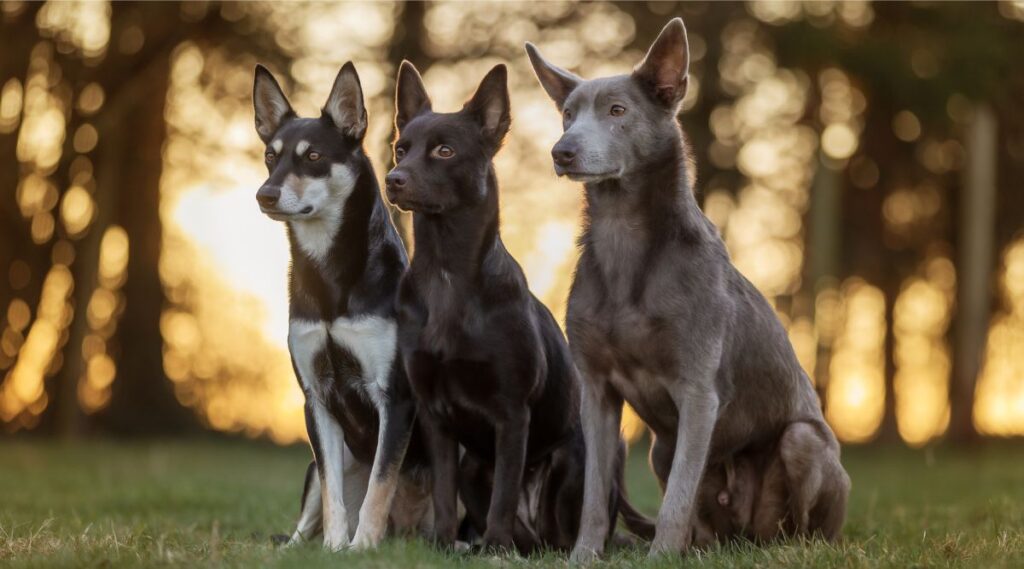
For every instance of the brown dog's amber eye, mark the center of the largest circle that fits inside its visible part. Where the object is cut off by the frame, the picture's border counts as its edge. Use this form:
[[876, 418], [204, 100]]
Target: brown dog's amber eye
[[399, 154], [618, 110], [443, 151], [269, 157], [313, 156]]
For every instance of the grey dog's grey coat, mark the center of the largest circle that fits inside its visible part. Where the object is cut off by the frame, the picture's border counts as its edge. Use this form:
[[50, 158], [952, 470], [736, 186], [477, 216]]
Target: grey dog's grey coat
[[658, 316]]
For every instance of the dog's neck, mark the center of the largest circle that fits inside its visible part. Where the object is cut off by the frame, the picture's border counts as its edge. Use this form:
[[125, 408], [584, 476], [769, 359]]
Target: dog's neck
[[658, 196], [332, 252], [460, 242]]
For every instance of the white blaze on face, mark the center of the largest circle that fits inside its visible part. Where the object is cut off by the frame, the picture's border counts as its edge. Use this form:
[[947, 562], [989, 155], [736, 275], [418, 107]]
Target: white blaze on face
[[326, 196], [301, 147], [276, 146]]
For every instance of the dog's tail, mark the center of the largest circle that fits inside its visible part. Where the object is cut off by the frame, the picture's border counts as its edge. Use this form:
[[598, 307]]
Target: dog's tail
[[637, 523]]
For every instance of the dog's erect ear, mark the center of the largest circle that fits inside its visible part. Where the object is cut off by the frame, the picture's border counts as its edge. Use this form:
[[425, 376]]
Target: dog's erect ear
[[665, 69], [556, 81], [490, 104], [411, 97], [344, 106], [272, 107]]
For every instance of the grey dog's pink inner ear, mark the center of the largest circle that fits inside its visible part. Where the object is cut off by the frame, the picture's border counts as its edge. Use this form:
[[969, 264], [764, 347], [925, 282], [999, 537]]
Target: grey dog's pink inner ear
[[666, 66]]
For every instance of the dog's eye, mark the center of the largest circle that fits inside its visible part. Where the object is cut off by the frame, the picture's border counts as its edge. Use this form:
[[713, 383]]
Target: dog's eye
[[269, 157], [313, 156], [566, 114], [618, 110], [399, 154], [442, 151]]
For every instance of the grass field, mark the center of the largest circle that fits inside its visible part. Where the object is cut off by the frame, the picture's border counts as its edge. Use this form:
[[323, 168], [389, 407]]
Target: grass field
[[215, 503]]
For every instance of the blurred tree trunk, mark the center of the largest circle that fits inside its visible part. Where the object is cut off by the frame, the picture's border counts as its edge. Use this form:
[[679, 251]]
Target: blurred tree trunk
[[824, 246], [869, 254], [142, 399], [126, 79], [407, 43], [16, 242], [410, 36], [977, 219]]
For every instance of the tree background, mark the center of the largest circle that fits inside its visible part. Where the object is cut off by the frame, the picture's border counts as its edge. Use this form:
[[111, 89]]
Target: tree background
[[862, 160]]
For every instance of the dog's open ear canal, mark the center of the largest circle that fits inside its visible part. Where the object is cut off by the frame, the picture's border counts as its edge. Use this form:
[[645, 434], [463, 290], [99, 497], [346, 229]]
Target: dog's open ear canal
[[665, 69], [344, 106], [556, 81], [490, 104], [272, 107], [411, 97]]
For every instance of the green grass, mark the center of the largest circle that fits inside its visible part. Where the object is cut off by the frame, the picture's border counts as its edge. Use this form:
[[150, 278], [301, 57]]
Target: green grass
[[215, 503]]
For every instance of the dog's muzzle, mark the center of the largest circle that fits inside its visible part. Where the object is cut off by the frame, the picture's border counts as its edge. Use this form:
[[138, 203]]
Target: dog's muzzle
[[267, 196]]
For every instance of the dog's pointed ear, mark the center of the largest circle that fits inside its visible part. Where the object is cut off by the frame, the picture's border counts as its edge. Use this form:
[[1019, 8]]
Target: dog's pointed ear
[[664, 72], [272, 107], [556, 81], [344, 107], [411, 97], [490, 104]]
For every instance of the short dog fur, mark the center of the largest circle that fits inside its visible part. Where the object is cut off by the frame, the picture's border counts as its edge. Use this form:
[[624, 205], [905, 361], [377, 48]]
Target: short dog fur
[[347, 260], [659, 317], [487, 362]]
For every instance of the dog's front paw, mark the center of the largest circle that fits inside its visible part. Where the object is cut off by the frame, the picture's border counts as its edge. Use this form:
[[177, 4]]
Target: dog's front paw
[[497, 544], [337, 542], [679, 542], [583, 556], [365, 539]]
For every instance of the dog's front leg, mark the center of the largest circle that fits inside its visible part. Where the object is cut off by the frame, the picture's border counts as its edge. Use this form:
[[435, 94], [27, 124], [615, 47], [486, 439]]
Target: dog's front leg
[[392, 440], [444, 462], [331, 464], [510, 458], [601, 414], [698, 410]]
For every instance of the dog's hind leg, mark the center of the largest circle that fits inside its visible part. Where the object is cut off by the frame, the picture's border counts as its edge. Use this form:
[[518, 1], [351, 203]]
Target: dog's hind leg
[[660, 458], [818, 485], [311, 512], [601, 415]]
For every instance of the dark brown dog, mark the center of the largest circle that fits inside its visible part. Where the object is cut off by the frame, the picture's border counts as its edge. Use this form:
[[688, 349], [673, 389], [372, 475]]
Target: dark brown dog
[[487, 362]]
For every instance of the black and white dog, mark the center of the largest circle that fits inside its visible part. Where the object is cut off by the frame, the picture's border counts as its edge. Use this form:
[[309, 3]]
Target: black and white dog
[[487, 362], [658, 316], [347, 261]]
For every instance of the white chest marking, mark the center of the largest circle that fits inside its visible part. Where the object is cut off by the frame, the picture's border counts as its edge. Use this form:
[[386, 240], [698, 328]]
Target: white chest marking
[[371, 339], [306, 341]]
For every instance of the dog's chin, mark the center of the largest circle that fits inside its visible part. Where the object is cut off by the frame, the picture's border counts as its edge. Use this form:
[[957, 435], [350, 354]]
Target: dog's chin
[[414, 206], [585, 177], [278, 215]]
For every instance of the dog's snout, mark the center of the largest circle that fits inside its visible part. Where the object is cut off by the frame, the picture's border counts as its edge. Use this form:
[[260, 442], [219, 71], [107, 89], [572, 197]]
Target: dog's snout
[[267, 196], [396, 181], [563, 153]]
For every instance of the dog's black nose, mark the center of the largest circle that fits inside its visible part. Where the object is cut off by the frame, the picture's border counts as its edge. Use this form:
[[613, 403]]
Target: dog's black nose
[[395, 181], [563, 154], [268, 196]]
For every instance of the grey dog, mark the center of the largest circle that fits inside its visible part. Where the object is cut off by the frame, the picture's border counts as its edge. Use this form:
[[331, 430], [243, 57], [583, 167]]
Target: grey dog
[[658, 316]]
